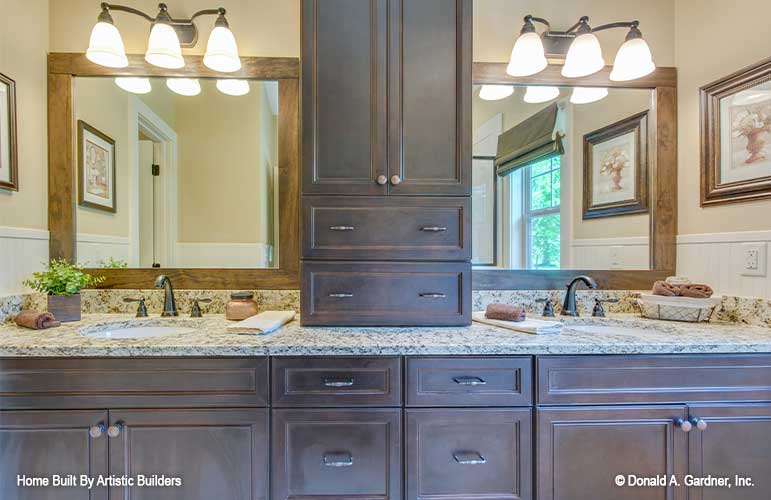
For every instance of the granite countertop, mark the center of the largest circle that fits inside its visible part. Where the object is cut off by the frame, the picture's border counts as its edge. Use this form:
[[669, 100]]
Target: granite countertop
[[621, 334]]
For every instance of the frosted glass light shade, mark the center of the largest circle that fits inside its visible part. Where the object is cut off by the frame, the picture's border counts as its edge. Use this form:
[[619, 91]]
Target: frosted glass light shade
[[222, 51], [585, 95], [184, 86], [535, 95], [633, 61], [495, 92], [135, 85], [584, 57], [105, 47], [527, 57], [233, 87], [163, 49]]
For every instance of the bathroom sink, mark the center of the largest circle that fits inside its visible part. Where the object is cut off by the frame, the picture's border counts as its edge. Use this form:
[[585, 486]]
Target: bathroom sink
[[137, 332], [609, 330]]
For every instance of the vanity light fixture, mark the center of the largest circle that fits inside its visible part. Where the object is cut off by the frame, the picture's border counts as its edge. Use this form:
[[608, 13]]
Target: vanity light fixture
[[579, 47], [495, 92], [536, 95], [167, 37], [184, 86], [233, 87], [135, 85], [586, 95]]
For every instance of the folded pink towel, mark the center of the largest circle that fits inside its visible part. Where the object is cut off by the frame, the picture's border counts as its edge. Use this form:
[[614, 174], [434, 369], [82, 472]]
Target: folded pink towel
[[505, 312], [36, 320]]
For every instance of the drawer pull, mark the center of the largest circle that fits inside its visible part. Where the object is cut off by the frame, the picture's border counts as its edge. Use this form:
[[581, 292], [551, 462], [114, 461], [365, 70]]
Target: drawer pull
[[96, 430], [683, 425], [341, 228], [433, 229], [338, 459], [433, 295], [338, 381], [469, 458], [469, 381], [341, 295], [698, 423], [113, 431]]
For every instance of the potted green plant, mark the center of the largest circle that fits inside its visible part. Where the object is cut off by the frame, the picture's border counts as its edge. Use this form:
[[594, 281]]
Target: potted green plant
[[62, 282]]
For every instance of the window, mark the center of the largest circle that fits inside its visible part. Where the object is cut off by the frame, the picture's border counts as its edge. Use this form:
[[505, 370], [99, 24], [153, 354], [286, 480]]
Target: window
[[541, 214]]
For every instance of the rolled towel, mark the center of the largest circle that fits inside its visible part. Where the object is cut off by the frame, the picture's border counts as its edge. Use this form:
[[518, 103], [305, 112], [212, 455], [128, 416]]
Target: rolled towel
[[265, 322], [36, 320], [505, 312], [695, 291], [665, 289]]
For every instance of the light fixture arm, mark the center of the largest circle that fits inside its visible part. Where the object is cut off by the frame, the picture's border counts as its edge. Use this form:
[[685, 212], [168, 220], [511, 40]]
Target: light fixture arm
[[630, 24]]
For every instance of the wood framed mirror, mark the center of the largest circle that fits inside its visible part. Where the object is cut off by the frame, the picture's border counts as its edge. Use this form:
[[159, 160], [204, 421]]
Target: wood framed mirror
[[657, 260], [268, 263]]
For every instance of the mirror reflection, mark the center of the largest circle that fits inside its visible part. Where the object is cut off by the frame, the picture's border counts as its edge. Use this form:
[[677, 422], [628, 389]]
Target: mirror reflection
[[560, 178], [176, 173]]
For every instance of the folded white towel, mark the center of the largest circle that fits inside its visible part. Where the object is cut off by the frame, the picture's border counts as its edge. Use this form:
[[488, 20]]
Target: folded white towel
[[265, 322], [533, 326]]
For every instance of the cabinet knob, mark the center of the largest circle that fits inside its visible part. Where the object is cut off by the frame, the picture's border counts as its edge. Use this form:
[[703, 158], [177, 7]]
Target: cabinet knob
[[396, 180], [96, 430], [683, 424], [113, 431], [381, 179], [698, 423]]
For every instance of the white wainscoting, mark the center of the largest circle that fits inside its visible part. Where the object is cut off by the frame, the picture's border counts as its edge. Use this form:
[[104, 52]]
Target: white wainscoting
[[92, 248], [22, 252], [234, 255], [610, 253], [717, 259]]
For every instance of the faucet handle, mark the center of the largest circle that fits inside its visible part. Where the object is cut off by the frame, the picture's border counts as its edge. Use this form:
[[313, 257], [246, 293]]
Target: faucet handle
[[141, 308], [599, 311], [195, 311], [548, 309]]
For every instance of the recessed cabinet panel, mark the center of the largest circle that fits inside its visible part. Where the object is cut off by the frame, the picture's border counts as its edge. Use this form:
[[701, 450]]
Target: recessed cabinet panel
[[41, 444], [339, 454], [581, 451], [429, 101], [736, 442], [217, 454], [461, 454], [344, 96]]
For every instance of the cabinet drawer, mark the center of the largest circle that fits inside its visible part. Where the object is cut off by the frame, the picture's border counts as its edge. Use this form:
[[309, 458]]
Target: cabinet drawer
[[337, 454], [381, 293], [337, 382], [469, 381], [653, 379], [387, 228], [461, 454], [132, 383]]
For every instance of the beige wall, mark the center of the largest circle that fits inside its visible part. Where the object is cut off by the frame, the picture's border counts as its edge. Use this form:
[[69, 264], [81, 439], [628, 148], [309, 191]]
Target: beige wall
[[714, 38], [104, 106], [23, 47], [497, 23], [261, 27]]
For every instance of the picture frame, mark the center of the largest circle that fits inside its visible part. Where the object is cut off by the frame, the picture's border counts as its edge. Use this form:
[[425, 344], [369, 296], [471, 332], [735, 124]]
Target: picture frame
[[9, 166], [735, 116], [96, 169], [616, 181]]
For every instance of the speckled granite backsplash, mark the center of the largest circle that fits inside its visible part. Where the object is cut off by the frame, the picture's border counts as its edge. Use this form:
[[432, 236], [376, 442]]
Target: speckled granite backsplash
[[747, 310]]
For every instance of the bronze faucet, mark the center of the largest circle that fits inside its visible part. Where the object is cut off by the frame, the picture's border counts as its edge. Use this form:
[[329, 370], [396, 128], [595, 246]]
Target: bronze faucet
[[569, 304], [169, 304]]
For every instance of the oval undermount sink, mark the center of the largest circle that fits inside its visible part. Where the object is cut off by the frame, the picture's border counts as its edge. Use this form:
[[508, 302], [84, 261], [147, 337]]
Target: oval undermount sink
[[609, 330], [138, 332]]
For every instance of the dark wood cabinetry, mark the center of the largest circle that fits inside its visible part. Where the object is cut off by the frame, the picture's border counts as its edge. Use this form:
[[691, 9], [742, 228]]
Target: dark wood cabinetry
[[387, 115]]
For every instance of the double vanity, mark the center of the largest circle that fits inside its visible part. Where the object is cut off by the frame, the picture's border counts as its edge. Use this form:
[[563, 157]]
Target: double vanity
[[386, 413]]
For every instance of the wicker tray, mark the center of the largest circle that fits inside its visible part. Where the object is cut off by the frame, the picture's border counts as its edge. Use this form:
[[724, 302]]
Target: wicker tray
[[678, 308]]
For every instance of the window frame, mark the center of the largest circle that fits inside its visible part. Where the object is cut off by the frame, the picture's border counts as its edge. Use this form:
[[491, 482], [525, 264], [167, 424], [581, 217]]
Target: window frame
[[528, 215]]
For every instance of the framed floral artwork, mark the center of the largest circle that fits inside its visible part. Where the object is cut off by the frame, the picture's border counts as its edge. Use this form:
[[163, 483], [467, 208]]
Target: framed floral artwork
[[96, 169], [736, 136], [9, 169], [616, 169]]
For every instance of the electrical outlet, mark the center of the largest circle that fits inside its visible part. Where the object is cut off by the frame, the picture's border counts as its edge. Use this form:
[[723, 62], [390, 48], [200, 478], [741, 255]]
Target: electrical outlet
[[615, 257], [753, 259]]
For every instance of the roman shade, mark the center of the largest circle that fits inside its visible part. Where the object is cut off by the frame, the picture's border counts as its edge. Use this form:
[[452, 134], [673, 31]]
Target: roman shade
[[536, 138]]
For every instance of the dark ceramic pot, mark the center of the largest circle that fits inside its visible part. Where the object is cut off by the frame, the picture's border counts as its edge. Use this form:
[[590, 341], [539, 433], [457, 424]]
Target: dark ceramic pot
[[65, 307]]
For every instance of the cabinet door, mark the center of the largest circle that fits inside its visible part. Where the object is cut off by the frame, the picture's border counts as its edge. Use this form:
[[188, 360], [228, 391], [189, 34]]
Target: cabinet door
[[344, 96], [580, 452], [429, 97], [217, 454], [736, 442], [461, 454], [48, 443]]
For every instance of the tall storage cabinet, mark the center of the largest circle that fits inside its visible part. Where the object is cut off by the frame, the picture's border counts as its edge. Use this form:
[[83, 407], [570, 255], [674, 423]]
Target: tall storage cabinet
[[386, 113]]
